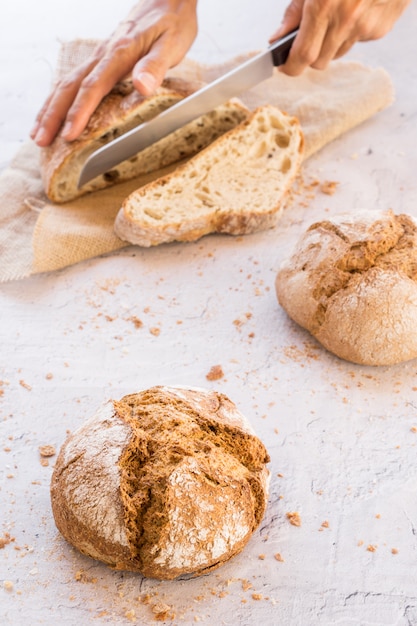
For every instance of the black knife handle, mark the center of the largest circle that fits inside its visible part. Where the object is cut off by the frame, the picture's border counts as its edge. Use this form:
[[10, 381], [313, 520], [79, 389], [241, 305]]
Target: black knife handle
[[280, 49]]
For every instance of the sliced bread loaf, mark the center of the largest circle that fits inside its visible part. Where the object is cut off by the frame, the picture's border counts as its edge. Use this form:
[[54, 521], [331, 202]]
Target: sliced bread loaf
[[236, 185], [120, 111]]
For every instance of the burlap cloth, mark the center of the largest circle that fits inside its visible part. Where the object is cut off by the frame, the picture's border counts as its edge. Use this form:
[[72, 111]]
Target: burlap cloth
[[37, 236]]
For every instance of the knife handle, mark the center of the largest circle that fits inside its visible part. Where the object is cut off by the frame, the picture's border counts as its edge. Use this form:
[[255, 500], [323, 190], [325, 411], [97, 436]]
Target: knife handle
[[280, 49]]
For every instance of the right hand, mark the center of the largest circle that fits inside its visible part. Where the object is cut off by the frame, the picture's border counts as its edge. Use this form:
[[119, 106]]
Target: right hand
[[329, 28], [155, 37]]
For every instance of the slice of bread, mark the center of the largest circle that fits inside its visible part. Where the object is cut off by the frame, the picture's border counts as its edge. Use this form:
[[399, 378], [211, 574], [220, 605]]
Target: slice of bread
[[236, 185], [120, 111]]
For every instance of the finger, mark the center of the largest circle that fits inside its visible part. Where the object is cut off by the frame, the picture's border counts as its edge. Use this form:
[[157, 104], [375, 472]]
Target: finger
[[307, 44], [53, 113], [113, 67], [89, 95], [290, 21], [38, 118], [150, 70], [342, 27], [345, 47], [333, 42]]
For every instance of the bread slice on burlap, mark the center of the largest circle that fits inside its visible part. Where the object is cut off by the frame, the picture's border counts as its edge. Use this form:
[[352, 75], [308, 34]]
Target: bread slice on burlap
[[237, 185]]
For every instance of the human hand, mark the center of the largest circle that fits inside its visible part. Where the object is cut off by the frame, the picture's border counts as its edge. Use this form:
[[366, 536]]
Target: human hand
[[329, 28], [155, 36]]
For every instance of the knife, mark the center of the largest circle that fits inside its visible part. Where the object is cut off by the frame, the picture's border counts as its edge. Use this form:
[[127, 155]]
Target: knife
[[233, 83]]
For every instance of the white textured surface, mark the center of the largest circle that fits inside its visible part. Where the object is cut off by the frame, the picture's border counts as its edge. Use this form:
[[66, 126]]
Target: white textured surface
[[341, 437]]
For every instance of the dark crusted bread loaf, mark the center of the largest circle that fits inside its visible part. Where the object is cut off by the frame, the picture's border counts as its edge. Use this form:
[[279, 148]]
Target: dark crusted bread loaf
[[352, 283], [166, 482], [121, 110], [237, 185]]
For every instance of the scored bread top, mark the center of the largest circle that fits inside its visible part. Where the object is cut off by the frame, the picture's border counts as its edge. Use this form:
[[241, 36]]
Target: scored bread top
[[237, 185], [167, 481]]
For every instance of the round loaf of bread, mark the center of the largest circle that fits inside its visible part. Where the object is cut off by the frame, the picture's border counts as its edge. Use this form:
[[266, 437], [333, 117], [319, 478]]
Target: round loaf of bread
[[166, 482], [352, 283]]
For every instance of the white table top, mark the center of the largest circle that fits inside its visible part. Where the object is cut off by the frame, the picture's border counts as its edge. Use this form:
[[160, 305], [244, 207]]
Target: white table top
[[342, 437]]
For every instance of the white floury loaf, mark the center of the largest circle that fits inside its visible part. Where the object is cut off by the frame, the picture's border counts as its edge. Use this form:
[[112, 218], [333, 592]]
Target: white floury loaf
[[165, 482], [237, 185], [121, 110], [352, 283]]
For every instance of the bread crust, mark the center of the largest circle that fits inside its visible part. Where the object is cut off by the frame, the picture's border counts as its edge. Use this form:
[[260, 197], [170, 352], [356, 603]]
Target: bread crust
[[352, 283], [168, 481]]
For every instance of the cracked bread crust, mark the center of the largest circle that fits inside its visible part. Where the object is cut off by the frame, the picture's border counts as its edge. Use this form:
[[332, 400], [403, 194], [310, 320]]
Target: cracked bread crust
[[352, 283], [166, 482]]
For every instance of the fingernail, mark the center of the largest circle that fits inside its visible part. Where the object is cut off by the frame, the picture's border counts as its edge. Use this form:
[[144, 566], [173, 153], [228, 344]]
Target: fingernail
[[40, 135], [34, 131], [147, 80], [67, 129]]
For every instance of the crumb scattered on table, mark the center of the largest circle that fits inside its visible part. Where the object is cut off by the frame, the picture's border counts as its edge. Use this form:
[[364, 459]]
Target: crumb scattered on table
[[294, 518], [215, 373]]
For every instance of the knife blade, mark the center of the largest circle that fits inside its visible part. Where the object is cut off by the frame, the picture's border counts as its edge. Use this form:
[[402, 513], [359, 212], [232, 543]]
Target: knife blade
[[247, 75]]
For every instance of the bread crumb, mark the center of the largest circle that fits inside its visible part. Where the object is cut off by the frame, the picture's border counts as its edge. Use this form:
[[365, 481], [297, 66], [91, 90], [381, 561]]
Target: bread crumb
[[257, 596], [4, 541], [49, 376], [47, 450], [360, 543], [155, 331], [278, 557], [131, 615], [378, 516], [261, 557], [246, 585], [145, 599], [137, 323], [215, 373], [22, 383], [371, 548], [294, 518], [8, 585], [82, 577], [161, 611], [324, 524], [328, 187], [413, 429], [242, 320], [394, 551]]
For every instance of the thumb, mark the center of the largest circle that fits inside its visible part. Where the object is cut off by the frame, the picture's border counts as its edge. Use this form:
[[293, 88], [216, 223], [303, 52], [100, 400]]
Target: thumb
[[290, 21]]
